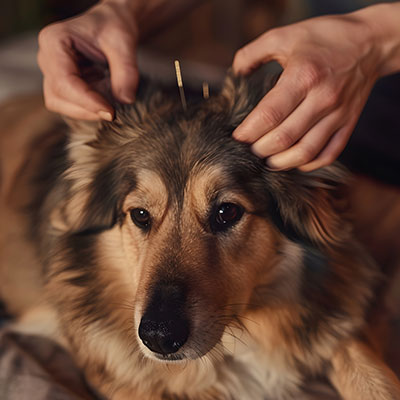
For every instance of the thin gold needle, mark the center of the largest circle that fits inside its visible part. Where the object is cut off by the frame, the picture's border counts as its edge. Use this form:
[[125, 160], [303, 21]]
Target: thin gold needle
[[206, 91], [180, 84]]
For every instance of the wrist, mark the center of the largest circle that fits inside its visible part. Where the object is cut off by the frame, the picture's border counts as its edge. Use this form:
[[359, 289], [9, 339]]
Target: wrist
[[384, 27]]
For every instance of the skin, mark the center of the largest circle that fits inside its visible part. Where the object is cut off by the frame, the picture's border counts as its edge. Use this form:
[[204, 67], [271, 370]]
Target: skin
[[330, 66]]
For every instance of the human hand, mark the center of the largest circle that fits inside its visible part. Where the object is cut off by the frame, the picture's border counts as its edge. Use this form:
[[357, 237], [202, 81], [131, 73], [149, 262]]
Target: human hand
[[330, 65], [104, 35]]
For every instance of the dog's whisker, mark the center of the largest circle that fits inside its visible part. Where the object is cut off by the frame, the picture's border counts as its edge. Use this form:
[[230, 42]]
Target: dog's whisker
[[126, 306]]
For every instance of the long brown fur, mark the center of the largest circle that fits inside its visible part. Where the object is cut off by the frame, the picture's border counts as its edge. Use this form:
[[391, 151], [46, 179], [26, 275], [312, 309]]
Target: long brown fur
[[281, 296]]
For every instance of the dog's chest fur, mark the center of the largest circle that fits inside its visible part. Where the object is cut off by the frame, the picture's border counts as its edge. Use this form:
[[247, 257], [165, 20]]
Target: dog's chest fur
[[243, 370], [259, 373]]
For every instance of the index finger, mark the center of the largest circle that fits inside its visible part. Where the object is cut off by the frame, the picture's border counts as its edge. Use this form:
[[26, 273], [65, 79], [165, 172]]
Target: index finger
[[66, 83], [273, 108]]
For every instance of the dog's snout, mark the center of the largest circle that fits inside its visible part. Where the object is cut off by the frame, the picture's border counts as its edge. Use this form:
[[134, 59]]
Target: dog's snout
[[164, 327], [165, 335]]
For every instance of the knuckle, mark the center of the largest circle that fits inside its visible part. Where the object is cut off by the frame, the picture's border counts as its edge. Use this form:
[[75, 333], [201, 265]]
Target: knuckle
[[311, 75], [240, 56], [331, 96], [116, 35], [49, 102], [50, 34], [305, 154], [284, 139], [56, 86], [43, 35], [273, 35], [258, 149], [270, 116]]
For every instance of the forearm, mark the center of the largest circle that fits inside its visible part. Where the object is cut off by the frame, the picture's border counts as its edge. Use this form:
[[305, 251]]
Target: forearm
[[153, 15], [384, 23]]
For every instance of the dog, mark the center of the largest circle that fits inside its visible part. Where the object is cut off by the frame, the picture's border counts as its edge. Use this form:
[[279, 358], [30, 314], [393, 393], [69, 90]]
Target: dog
[[175, 265]]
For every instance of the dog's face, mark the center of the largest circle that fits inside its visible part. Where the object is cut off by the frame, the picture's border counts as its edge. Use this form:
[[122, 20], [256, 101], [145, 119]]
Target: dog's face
[[196, 247], [169, 231]]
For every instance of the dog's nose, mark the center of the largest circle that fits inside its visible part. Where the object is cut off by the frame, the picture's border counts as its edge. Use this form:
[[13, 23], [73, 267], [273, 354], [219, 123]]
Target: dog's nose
[[165, 327], [163, 335]]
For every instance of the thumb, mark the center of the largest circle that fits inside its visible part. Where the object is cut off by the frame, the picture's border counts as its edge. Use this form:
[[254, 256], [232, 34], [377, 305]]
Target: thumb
[[261, 50]]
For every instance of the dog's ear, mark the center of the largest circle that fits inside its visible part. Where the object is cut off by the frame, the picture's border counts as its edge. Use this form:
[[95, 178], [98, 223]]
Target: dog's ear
[[87, 199], [241, 94], [82, 131], [90, 197], [71, 197], [310, 207]]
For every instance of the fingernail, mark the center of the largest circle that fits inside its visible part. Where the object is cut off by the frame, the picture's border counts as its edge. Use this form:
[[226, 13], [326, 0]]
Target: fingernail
[[255, 151], [269, 167], [272, 169], [105, 115], [239, 136]]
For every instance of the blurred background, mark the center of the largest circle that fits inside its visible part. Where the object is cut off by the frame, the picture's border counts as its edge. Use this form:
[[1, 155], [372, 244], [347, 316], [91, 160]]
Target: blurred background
[[205, 41]]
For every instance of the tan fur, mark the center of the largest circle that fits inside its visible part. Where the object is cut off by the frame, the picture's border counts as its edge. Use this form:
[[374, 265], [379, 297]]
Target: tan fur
[[19, 141]]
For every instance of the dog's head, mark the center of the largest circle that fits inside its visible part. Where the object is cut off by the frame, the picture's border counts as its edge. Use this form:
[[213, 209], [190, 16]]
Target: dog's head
[[168, 230]]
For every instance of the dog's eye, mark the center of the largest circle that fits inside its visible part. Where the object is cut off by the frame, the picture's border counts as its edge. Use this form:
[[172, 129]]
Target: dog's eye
[[225, 216], [141, 218]]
